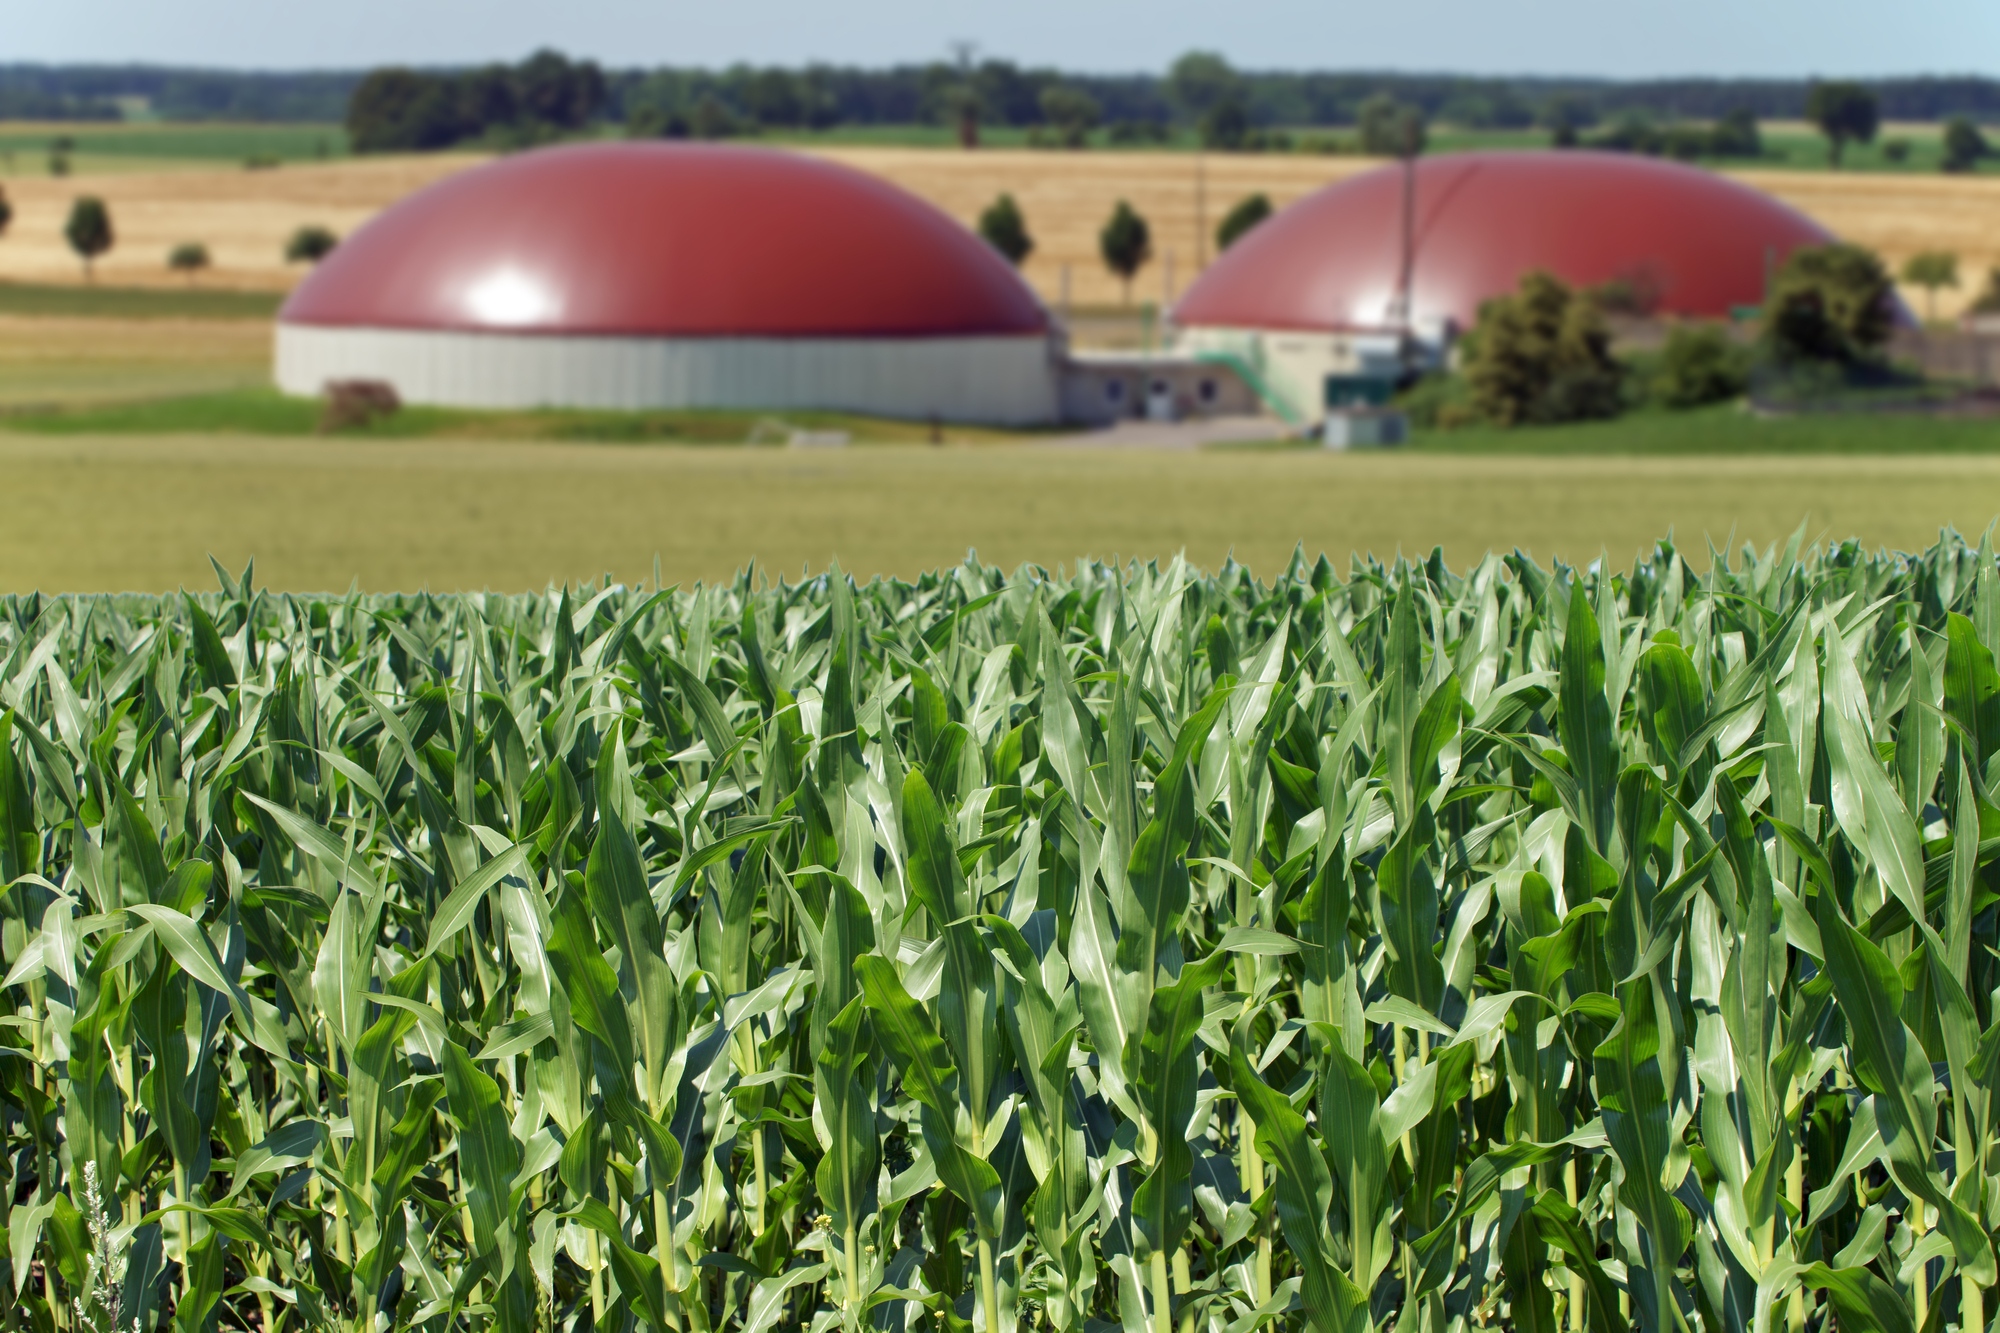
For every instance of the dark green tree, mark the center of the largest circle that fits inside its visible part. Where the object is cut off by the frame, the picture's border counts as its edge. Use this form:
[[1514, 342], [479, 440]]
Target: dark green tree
[[1565, 116], [1542, 354], [1240, 219], [88, 232], [1389, 128], [1006, 230], [6, 212], [1071, 112], [310, 244], [555, 91], [1829, 303], [1845, 113], [402, 110], [1225, 126], [1201, 80], [188, 259], [712, 119], [1736, 135], [1964, 145], [1126, 244]]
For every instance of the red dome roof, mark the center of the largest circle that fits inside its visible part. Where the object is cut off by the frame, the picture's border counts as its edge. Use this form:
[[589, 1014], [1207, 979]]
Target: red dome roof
[[1699, 241], [661, 240]]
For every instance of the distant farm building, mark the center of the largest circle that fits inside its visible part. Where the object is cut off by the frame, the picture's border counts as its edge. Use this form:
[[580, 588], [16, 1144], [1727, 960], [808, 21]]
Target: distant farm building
[[674, 276], [1359, 278]]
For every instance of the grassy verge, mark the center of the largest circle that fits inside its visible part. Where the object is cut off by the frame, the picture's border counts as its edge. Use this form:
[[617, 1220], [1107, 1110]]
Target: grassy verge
[[137, 511], [264, 411], [172, 141], [86, 301], [1728, 430]]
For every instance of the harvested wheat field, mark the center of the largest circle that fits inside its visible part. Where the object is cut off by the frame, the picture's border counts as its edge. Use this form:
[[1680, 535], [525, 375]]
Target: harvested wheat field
[[244, 217], [77, 362]]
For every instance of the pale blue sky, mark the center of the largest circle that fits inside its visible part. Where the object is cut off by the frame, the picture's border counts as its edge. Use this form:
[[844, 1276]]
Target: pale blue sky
[[1621, 38]]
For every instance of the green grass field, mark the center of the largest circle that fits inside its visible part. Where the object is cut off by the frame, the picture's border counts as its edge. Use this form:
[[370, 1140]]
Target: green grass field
[[263, 411], [124, 147], [28, 146], [145, 512], [1726, 430], [69, 300]]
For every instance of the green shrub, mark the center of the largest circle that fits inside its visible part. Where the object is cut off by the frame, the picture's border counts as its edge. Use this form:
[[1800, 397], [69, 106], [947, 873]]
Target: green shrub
[[1542, 355], [1697, 365], [1830, 303], [1247, 214], [1003, 228]]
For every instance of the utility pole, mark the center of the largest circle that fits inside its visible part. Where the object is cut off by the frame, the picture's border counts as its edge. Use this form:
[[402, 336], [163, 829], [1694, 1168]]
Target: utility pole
[[1200, 211]]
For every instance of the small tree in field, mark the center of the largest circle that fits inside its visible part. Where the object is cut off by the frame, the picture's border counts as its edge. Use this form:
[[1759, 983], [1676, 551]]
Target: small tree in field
[[88, 231], [1006, 230], [1930, 270], [1126, 244], [1964, 145], [6, 212], [1843, 111], [188, 259], [1240, 219], [310, 244]]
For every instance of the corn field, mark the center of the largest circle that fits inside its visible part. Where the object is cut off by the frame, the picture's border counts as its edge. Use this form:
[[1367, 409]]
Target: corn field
[[1131, 950]]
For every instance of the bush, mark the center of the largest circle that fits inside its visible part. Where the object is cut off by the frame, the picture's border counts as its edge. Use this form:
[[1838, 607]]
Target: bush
[[1006, 230], [1830, 303], [1241, 219], [310, 244], [188, 258], [1439, 402], [1132, 133], [1964, 146], [1542, 355], [1699, 364]]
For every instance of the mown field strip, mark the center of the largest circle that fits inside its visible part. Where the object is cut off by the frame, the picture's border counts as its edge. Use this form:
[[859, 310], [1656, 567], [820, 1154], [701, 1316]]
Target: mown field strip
[[102, 513]]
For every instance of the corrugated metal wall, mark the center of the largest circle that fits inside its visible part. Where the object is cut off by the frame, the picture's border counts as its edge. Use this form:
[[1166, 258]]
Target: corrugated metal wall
[[999, 380]]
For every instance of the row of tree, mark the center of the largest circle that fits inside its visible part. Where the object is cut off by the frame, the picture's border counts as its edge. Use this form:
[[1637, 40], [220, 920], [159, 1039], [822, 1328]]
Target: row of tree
[[89, 232], [548, 96], [1125, 242], [1011, 93]]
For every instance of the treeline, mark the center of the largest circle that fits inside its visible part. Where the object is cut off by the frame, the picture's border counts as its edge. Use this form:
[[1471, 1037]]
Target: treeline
[[87, 92], [1000, 92]]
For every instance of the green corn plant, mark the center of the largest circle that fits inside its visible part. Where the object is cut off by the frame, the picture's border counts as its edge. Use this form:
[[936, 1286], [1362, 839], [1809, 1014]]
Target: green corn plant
[[1395, 948]]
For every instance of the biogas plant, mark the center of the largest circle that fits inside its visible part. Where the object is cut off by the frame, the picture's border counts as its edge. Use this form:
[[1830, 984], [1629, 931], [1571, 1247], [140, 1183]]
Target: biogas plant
[[672, 275]]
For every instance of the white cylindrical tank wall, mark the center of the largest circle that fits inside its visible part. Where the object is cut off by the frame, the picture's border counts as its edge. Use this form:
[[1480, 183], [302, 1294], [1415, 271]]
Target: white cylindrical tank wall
[[1003, 380]]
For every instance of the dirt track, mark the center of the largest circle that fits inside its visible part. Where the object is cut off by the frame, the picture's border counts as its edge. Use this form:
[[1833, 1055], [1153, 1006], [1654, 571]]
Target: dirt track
[[244, 217]]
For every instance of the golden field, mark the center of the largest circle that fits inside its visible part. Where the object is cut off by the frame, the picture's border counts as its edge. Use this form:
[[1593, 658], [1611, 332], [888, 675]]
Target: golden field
[[244, 216]]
